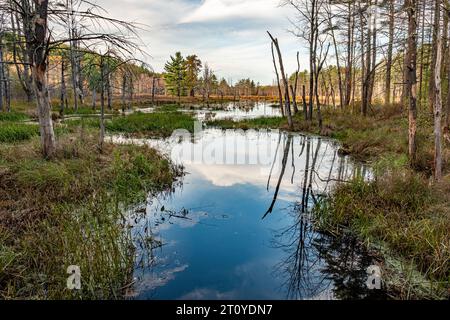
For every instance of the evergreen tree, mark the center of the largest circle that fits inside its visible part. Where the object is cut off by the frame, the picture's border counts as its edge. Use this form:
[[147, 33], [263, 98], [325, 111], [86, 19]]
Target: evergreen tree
[[193, 67], [176, 75]]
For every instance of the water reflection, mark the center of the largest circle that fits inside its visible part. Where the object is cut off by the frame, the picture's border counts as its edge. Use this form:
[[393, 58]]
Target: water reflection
[[242, 229], [238, 111]]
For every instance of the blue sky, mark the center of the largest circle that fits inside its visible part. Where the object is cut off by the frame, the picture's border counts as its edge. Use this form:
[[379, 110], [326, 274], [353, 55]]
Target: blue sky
[[228, 34]]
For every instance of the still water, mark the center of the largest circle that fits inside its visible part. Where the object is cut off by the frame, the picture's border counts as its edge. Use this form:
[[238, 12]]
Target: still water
[[239, 225], [239, 111]]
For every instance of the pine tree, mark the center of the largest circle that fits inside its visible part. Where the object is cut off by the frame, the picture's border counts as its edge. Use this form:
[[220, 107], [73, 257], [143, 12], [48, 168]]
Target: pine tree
[[176, 75], [193, 67]]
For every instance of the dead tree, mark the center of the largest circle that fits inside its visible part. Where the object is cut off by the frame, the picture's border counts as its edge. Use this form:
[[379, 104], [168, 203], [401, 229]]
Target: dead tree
[[387, 93], [20, 56], [35, 17], [320, 60], [280, 95], [294, 88], [436, 34], [411, 56], [332, 28], [437, 100], [285, 81], [2, 73], [63, 94]]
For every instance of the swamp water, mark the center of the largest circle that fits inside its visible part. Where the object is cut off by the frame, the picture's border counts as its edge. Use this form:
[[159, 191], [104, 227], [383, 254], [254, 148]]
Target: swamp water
[[239, 225]]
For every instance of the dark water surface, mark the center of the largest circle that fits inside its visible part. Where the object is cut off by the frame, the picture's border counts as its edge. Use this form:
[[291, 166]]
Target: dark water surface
[[238, 224]]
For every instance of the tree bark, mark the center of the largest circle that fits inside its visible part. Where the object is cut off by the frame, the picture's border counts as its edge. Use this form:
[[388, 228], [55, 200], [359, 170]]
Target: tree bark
[[108, 86], [286, 84], [63, 98], [280, 95], [102, 102], [437, 108], [294, 88], [37, 40], [411, 77], [387, 94], [338, 64], [436, 33], [350, 53], [2, 66], [20, 57], [305, 106]]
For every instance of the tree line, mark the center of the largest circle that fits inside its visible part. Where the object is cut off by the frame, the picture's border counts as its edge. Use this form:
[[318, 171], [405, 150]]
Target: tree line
[[359, 48], [189, 76]]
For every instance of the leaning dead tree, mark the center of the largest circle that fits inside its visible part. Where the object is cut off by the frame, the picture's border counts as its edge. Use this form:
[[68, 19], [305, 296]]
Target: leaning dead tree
[[285, 81], [280, 94], [37, 18]]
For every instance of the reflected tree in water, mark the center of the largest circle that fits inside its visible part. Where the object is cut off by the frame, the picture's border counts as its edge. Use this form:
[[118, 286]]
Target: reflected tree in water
[[316, 265]]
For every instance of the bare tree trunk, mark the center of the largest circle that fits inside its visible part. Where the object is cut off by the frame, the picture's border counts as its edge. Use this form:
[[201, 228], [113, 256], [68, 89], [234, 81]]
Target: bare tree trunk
[[411, 56], [153, 90], [447, 111], [63, 98], [422, 53], [438, 108], [19, 50], [7, 89], [436, 31], [286, 84], [387, 93], [94, 98], [305, 106], [108, 86], [373, 60], [2, 73], [280, 95], [37, 39], [294, 89], [350, 54], [102, 102], [363, 64], [447, 57], [131, 92], [338, 64], [316, 93], [124, 88]]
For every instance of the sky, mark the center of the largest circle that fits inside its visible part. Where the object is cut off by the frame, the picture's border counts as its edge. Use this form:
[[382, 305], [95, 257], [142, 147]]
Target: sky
[[230, 35]]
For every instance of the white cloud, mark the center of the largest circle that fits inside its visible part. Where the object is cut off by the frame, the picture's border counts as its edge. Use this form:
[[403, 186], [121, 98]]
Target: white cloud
[[213, 10]]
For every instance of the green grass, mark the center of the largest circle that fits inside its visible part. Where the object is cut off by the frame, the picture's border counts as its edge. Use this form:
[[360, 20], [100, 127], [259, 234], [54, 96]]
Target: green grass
[[69, 211], [168, 108], [13, 116], [159, 124], [156, 124], [257, 123], [86, 110], [403, 213], [16, 132]]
